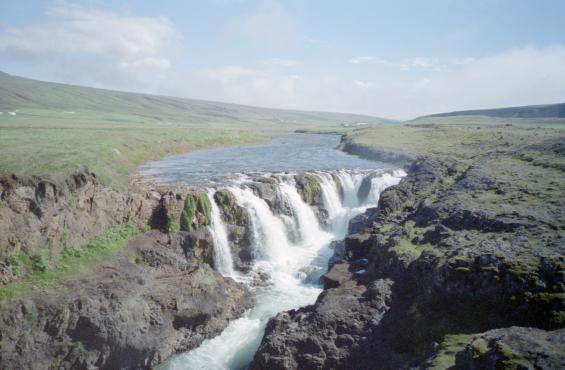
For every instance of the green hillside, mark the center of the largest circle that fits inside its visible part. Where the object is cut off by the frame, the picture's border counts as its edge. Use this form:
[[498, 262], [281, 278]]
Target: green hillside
[[549, 115], [50, 129], [26, 95], [529, 111]]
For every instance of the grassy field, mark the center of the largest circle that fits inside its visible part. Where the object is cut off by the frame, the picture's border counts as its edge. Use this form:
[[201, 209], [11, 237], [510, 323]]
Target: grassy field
[[475, 121], [58, 128], [460, 141]]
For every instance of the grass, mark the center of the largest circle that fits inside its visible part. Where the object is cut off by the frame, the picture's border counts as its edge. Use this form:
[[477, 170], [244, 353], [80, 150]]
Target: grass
[[52, 146], [473, 121], [60, 128], [42, 272], [408, 251], [460, 142], [451, 344]]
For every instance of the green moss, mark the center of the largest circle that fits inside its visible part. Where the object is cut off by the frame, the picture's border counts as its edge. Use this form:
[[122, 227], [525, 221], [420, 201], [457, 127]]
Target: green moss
[[407, 250], [310, 188], [480, 346], [463, 270], [133, 258], [511, 360], [42, 272], [188, 213], [174, 227], [31, 317], [56, 363], [386, 228], [78, 347], [549, 297], [204, 206], [23, 263], [451, 344]]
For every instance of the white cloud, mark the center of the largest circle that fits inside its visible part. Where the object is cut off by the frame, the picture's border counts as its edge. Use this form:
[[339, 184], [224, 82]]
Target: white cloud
[[158, 63], [112, 50], [281, 62], [269, 24], [520, 76], [94, 39], [416, 63], [367, 59], [362, 84]]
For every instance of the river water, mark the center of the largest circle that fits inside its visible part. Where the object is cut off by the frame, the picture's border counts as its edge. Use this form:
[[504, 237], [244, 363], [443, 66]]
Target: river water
[[291, 243]]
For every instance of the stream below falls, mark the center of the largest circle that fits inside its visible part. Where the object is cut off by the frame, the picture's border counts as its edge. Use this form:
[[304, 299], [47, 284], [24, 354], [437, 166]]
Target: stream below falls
[[292, 240]]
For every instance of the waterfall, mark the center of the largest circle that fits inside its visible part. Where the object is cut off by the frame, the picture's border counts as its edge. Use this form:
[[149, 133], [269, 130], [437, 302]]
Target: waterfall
[[222, 255], [330, 196], [350, 184], [290, 248], [308, 227], [269, 232], [333, 204], [380, 183]]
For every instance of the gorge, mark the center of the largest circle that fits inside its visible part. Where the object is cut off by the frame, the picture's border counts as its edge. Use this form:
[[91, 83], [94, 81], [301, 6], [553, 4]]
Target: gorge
[[295, 221], [276, 268]]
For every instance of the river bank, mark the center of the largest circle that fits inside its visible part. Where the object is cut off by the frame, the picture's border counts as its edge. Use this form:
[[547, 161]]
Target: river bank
[[87, 309], [464, 261]]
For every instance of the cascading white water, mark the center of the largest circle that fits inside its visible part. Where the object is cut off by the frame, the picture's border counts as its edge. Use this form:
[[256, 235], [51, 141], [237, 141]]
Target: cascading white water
[[350, 183], [289, 265], [378, 184], [269, 234], [306, 221], [223, 260]]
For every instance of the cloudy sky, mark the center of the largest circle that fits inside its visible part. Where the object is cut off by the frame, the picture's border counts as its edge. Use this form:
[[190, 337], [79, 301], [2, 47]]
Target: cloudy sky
[[396, 59]]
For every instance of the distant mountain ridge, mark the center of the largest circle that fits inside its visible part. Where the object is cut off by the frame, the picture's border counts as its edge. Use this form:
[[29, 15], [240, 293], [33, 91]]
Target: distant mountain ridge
[[19, 93], [529, 111]]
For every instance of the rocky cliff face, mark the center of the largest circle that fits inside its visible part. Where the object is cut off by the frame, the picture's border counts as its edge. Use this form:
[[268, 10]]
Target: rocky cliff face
[[458, 247], [151, 301], [158, 296], [39, 217], [36, 213]]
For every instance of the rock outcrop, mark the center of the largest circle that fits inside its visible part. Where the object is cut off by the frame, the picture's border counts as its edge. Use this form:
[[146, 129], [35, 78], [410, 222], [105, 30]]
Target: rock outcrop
[[373, 153], [458, 247], [37, 213], [152, 301]]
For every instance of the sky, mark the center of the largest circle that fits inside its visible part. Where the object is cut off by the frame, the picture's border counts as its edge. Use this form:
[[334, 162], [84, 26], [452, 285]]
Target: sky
[[394, 59]]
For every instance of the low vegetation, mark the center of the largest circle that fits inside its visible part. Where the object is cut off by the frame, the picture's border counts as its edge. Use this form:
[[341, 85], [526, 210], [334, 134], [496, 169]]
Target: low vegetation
[[41, 271], [59, 128]]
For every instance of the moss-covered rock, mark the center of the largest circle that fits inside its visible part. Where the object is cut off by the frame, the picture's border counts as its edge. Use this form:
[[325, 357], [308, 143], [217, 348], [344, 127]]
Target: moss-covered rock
[[187, 220], [196, 212], [239, 228], [514, 348], [309, 188]]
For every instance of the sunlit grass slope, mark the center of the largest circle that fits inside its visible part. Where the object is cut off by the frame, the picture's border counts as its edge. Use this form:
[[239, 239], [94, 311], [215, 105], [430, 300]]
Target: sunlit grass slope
[[58, 128]]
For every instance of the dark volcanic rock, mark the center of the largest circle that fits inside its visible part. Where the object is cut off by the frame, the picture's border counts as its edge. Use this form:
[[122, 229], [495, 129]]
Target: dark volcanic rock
[[362, 221], [334, 333], [465, 246], [130, 316], [514, 348]]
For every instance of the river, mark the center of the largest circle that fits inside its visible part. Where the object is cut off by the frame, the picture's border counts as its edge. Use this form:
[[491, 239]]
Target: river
[[292, 240]]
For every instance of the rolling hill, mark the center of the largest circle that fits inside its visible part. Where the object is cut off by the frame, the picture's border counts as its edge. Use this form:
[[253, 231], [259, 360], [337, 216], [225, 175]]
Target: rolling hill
[[529, 111], [17, 93], [50, 129], [548, 115]]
